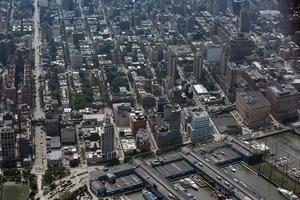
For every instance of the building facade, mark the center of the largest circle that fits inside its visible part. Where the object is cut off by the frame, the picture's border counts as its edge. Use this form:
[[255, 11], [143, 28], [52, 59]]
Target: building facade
[[254, 108], [284, 101], [200, 127]]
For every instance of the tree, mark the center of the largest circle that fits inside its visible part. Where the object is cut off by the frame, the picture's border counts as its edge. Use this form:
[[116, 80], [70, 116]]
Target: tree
[[74, 163]]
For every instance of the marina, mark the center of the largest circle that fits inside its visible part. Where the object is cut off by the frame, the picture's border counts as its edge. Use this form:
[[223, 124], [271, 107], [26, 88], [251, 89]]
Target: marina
[[203, 191], [247, 177]]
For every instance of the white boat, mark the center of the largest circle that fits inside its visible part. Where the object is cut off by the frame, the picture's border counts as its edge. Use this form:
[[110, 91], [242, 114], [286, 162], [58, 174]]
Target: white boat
[[233, 169], [189, 195], [185, 183], [149, 195], [179, 187], [192, 183], [288, 194]]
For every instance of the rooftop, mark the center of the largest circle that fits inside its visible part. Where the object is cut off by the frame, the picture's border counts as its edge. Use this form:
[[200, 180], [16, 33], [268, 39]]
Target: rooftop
[[283, 90], [254, 99]]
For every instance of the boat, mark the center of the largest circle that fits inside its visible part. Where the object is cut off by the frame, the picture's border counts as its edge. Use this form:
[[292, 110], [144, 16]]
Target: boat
[[198, 180], [233, 169], [218, 195], [184, 183], [179, 187], [288, 194], [192, 183], [172, 197], [149, 195], [189, 195]]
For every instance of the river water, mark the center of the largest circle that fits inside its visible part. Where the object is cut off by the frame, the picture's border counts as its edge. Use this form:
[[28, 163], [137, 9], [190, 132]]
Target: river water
[[255, 181]]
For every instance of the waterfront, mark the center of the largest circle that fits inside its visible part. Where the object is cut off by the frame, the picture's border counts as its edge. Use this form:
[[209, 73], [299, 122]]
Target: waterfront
[[200, 194], [283, 166], [253, 180], [276, 176], [285, 144], [136, 196]]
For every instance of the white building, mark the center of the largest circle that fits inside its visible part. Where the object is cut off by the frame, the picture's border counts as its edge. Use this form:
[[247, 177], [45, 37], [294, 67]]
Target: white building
[[54, 158], [212, 52], [200, 127], [129, 146]]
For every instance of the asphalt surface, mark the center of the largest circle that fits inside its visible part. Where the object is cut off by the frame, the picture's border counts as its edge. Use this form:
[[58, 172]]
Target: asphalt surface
[[40, 162]]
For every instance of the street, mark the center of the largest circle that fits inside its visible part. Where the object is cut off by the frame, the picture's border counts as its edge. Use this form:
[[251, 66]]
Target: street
[[40, 161]]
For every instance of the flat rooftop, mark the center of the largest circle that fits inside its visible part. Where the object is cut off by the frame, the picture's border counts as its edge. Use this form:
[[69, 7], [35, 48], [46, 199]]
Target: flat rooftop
[[174, 168], [123, 182], [94, 175], [222, 155], [285, 90], [254, 99]]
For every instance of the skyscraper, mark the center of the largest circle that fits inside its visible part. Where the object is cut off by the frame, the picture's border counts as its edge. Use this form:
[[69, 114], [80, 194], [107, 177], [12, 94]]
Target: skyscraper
[[216, 6], [245, 20], [231, 81], [197, 68], [175, 118], [8, 146], [171, 69], [160, 103], [107, 141]]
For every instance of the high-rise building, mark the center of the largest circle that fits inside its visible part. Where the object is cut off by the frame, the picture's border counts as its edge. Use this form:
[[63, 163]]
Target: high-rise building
[[156, 88], [212, 53], [197, 67], [108, 141], [26, 90], [68, 135], [284, 101], [143, 140], [245, 20], [8, 146], [200, 127], [121, 113], [236, 5], [76, 59], [6, 50], [171, 69], [22, 53], [175, 119], [231, 81], [44, 3], [148, 101], [216, 6], [10, 91], [137, 121], [160, 103], [213, 7], [239, 47]]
